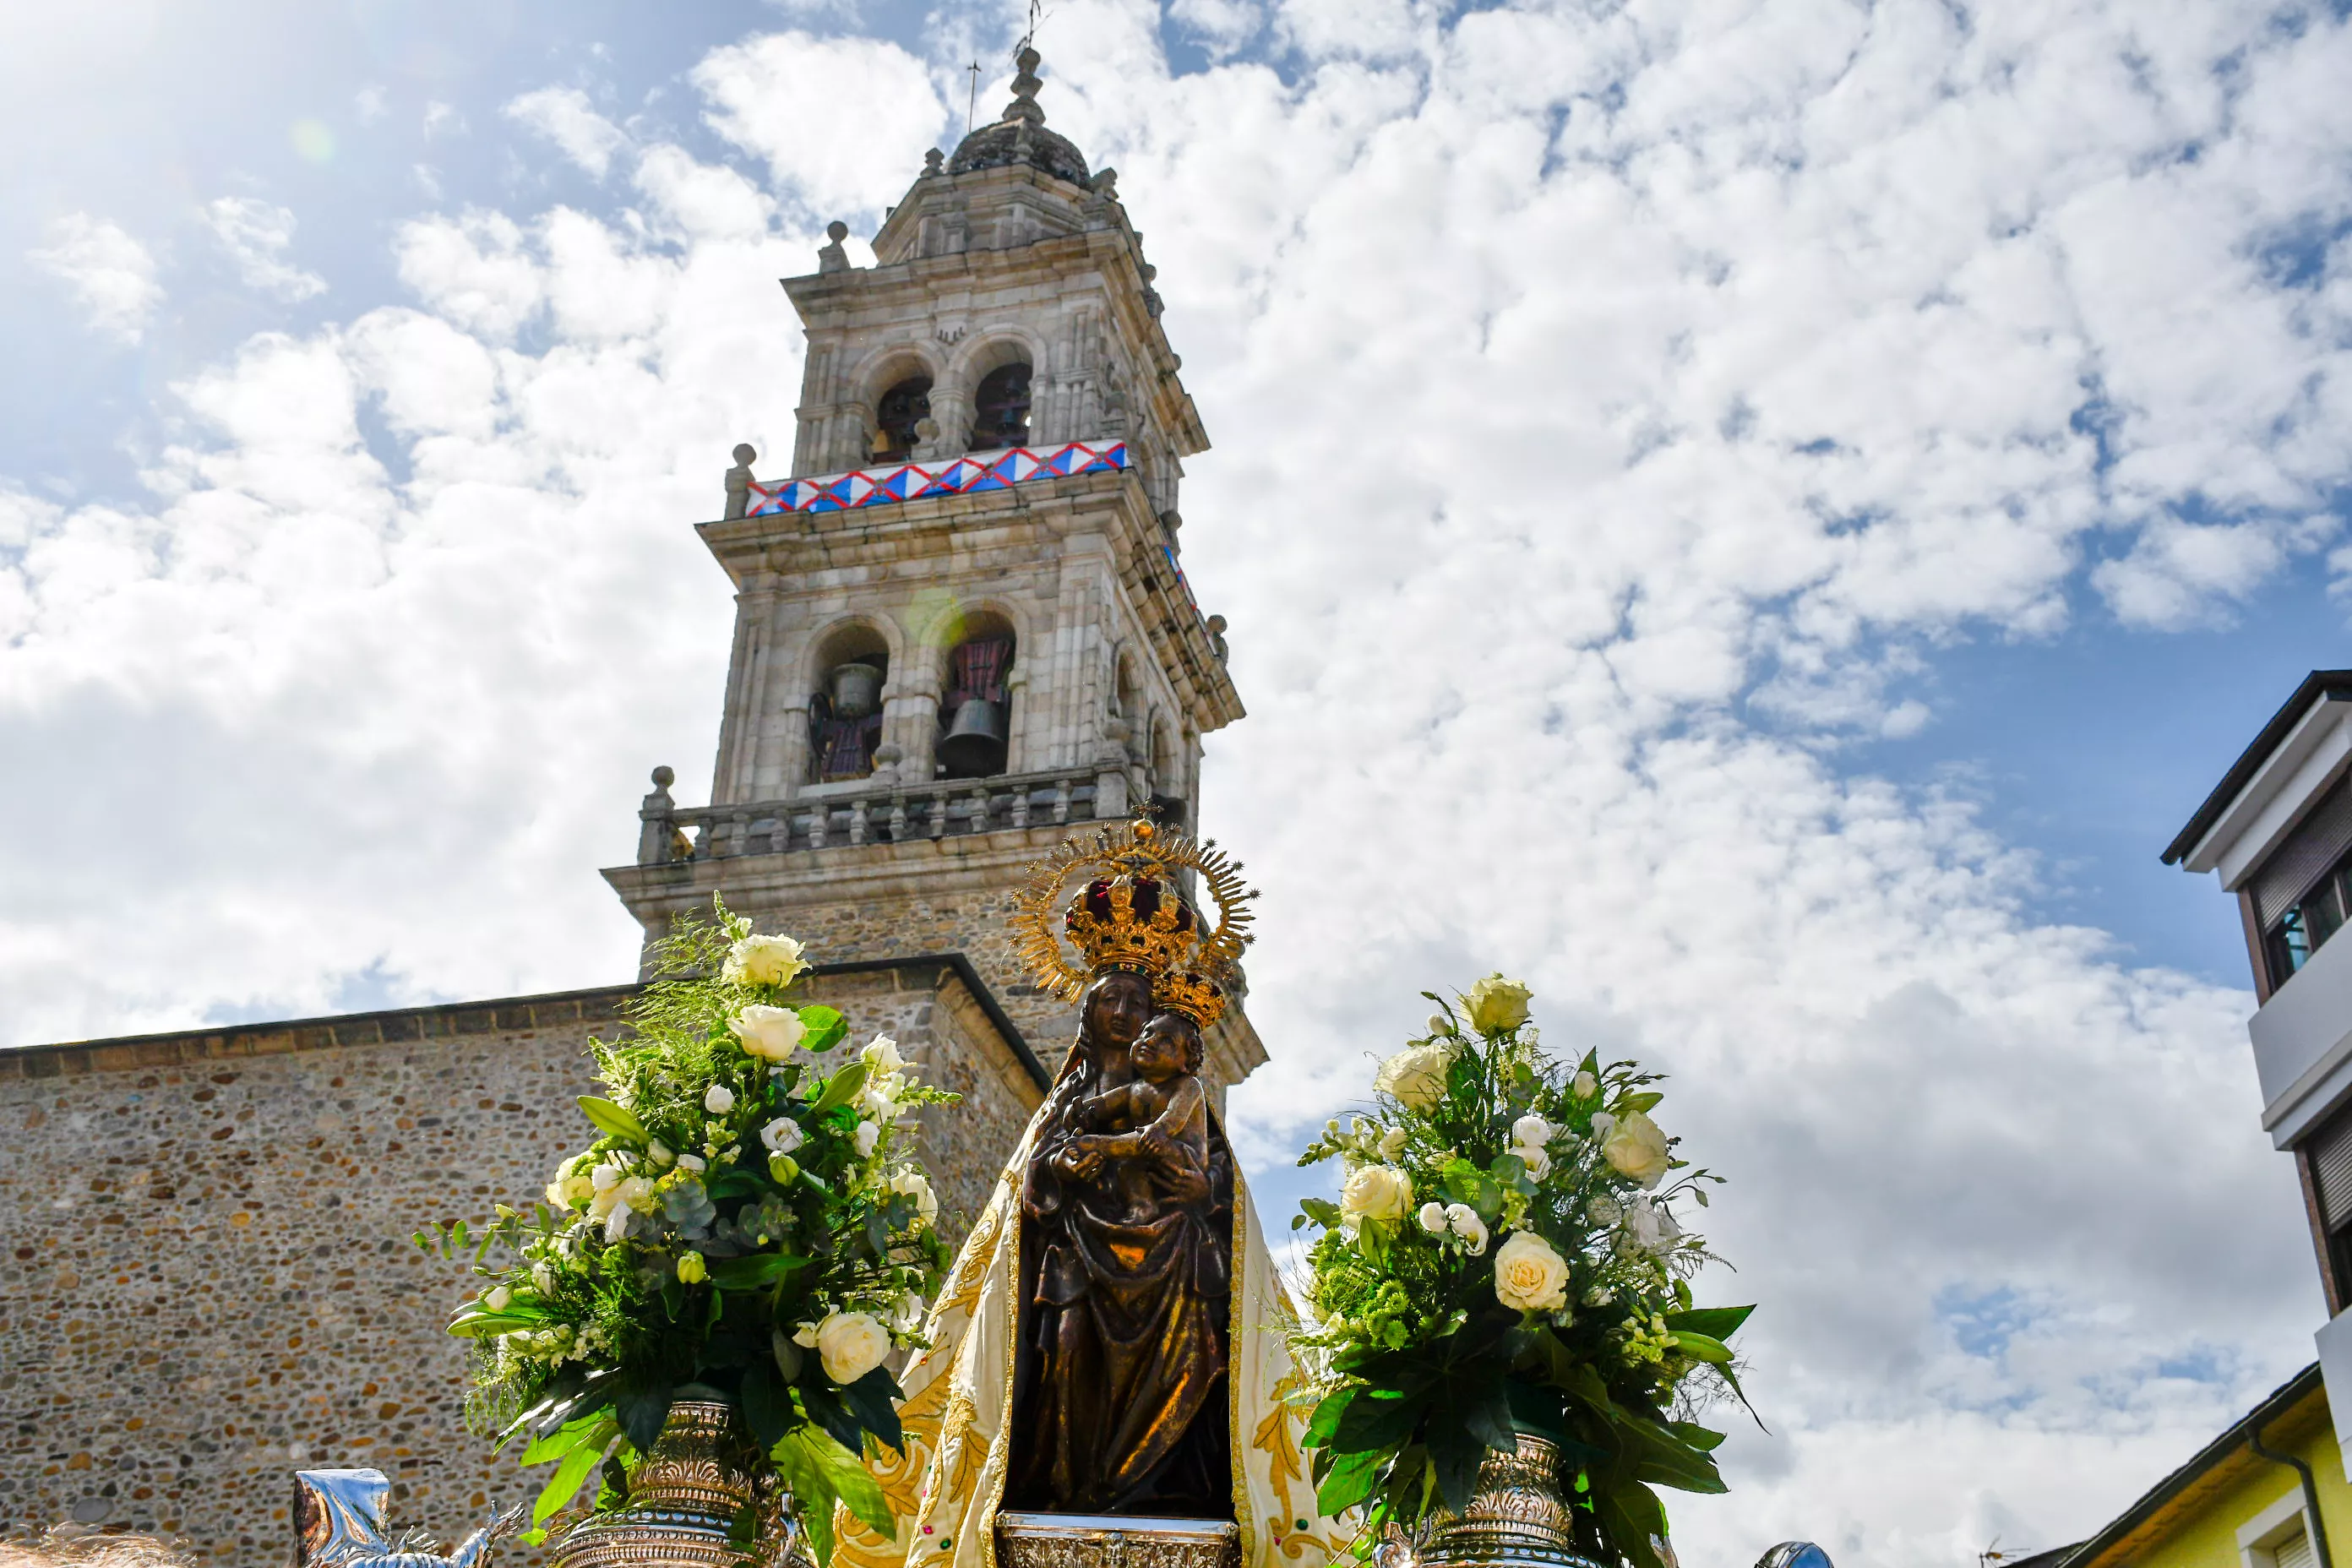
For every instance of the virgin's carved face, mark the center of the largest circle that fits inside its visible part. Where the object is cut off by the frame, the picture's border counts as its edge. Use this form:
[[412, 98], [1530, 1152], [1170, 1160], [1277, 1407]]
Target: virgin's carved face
[[1118, 1006]]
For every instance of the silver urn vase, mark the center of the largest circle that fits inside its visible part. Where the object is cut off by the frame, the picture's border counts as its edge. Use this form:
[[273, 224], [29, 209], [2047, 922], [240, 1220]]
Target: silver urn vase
[[1518, 1518], [684, 1499]]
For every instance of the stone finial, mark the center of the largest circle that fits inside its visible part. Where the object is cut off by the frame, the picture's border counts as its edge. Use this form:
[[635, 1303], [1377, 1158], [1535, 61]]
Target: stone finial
[[1171, 519], [665, 775], [1106, 184], [657, 831], [1024, 105], [738, 492], [1216, 628], [831, 257], [933, 161]]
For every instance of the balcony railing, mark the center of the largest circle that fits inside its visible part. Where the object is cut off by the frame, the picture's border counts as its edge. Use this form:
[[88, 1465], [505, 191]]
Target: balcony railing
[[885, 814]]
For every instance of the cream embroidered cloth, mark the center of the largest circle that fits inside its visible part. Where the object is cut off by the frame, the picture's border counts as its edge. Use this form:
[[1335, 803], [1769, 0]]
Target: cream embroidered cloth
[[945, 1485]]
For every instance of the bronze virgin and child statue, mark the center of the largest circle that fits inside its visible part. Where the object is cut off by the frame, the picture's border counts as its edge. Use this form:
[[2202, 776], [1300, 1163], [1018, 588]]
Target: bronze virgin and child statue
[[1110, 1340]]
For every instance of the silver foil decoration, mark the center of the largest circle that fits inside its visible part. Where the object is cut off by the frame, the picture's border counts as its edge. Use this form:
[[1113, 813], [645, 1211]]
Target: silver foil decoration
[[339, 1524]]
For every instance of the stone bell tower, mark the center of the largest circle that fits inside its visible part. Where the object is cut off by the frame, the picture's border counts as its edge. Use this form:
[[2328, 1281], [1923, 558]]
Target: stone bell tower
[[962, 628]]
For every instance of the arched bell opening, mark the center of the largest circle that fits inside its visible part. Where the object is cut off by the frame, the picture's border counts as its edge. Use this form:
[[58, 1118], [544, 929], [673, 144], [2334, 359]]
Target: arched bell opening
[[897, 413], [976, 699], [845, 708], [1167, 795], [1001, 408]]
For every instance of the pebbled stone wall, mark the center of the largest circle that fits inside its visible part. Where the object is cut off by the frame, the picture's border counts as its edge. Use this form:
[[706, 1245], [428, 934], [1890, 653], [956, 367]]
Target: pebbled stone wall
[[208, 1282]]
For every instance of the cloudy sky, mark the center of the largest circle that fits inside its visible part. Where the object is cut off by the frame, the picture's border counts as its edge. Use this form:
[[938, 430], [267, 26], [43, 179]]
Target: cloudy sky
[[1762, 519]]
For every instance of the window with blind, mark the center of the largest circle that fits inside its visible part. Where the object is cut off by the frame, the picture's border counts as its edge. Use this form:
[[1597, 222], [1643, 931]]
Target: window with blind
[[2330, 1151], [2303, 894], [2293, 1552]]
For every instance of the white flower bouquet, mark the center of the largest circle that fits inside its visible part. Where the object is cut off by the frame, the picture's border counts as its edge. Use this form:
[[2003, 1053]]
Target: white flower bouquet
[[750, 1226], [1505, 1257]]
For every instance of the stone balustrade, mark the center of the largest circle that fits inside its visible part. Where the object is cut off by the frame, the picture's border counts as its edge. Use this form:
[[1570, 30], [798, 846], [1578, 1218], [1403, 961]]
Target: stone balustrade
[[887, 813]]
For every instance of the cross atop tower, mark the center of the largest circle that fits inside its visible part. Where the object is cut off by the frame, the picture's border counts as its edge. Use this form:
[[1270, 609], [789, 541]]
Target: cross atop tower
[[963, 628]]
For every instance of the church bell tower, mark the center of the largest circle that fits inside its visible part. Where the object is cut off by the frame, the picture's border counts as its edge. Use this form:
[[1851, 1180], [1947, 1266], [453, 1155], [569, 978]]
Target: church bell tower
[[962, 631]]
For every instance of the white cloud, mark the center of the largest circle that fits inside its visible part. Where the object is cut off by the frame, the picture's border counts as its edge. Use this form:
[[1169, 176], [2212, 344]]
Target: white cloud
[[1582, 383], [112, 276], [257, 234], [842, 122], [565, 117]]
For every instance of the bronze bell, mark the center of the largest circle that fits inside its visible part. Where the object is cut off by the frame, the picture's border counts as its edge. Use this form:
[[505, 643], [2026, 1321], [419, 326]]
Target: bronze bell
[[973, 746], [857, 689]]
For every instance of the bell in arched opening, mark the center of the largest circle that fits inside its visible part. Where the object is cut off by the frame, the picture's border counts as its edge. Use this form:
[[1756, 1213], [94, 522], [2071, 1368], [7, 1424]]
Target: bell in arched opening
[[904, 405], [1001, 408], [975, 709]]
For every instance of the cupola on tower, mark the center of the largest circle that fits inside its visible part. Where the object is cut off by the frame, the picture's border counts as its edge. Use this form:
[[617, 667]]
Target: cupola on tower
[[962, 628]]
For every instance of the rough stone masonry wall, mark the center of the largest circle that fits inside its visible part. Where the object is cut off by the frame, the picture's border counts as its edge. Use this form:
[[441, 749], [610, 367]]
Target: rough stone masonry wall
[[208, 1282]]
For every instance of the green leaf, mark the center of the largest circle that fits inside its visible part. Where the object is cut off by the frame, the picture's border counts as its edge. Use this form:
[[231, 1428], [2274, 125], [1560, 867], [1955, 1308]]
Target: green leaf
[[1701, 1347], [753, 1270], [844, 1087], [641, 1415], [1716, 1322], [569, 1477], [874, 1399], [1705, 1440], [825, 1028], [767, 1405], [1322, 1211], [473, 1325], [1634, 1102], [596, 1429], [848, 1478], [612, 1119], [1377, 1423], [1326, 1420], [1350, 1481]]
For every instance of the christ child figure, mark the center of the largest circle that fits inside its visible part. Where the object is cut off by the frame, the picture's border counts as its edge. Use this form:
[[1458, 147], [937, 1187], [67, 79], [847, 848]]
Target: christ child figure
[[1155, 1127]]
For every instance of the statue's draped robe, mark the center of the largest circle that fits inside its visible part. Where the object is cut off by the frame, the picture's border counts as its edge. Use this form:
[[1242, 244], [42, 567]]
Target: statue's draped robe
[[950, 1481], [1126, 1281]]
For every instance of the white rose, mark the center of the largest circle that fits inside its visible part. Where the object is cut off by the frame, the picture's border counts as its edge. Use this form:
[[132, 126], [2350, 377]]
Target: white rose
[[1530, 1277], [1497, 1005], [1439, 1023], [719, 1099], [879, 1105], [1531, 1131], [912, 1184], [692, 1162], [1393, 1142], [882, 1056], [623, 1198], [782, 1135], [1377, 1192], [1416, 1075], [1652, 1229], [764, 960], [1602, 1123], [1537, 1160], [771, 1034], [1433, 1217], [805, 1336], [1636, 1147], [1463, 1221], [850, 1345], [498, 1298], [659, 1153], [1585, 1085], [603, 1178], [869, 1134]]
